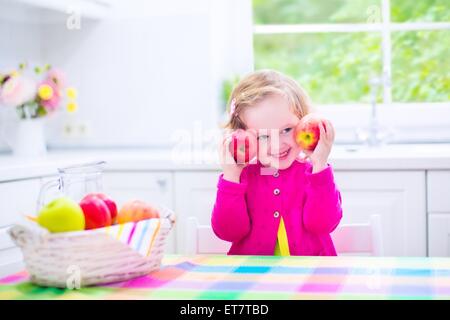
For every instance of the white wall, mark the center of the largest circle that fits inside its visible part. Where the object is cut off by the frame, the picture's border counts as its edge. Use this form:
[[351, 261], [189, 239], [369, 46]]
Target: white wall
[[231, 34], [141, 73], [145, 71], [20, 41]]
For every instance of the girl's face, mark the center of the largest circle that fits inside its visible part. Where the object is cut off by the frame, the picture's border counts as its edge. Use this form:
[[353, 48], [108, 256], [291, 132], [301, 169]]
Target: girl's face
[[274, 123]]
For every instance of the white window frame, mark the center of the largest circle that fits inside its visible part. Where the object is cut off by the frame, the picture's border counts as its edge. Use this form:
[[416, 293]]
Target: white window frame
[[408, 120]]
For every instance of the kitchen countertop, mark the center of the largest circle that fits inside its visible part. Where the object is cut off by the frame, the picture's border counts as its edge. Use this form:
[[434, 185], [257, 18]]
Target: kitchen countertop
[[263, 277], [389, 157]]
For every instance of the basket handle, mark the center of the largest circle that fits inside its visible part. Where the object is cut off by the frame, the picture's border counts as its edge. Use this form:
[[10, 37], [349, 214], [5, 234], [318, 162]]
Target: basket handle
[[169, 216], [172, 218], [22, 236]]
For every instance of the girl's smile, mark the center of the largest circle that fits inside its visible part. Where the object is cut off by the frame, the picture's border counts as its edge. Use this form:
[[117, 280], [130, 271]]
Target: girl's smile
[[282, 155]]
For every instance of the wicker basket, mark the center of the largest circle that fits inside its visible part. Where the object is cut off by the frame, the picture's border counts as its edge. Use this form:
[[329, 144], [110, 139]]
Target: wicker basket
[[91, 257]]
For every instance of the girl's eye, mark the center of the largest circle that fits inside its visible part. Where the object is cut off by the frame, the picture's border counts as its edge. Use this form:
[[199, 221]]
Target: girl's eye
[[286, 130], [263, 137]]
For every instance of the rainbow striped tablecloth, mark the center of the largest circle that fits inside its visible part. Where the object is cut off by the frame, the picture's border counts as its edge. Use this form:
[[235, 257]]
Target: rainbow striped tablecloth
[[254, 277]]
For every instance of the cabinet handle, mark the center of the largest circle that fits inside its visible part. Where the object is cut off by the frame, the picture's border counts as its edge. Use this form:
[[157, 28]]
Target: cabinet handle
[[162, 183]]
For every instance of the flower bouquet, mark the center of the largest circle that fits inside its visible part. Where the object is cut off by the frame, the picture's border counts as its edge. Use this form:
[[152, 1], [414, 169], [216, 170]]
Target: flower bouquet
[[34, 95]]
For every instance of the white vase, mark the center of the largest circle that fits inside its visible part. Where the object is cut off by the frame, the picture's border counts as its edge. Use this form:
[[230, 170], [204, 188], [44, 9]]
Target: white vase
[[28, 138]]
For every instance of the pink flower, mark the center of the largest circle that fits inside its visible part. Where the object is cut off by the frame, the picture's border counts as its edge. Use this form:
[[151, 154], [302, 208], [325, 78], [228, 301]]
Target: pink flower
[[57, 77], [52, 103], [17, 90]]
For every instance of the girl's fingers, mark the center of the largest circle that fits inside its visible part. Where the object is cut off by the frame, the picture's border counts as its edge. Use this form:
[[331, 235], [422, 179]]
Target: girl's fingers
[[224, 147], [228, 154], [328, 135], [325, 128], [333, 131], [226, 144], [330, 130], [222, 144], [226, 141], [322, 131]]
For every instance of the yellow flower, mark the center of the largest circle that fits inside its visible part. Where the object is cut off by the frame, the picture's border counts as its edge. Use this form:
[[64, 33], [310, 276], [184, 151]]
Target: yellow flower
[[71, 93], [72, 107], [45, 92], [15, 73]]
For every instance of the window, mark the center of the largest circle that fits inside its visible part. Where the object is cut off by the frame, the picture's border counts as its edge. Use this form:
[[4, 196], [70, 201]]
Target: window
[[335, 47]]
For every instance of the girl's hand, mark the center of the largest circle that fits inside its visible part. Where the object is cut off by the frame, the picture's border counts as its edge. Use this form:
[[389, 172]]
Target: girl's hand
[[319, 157], [231, 169]]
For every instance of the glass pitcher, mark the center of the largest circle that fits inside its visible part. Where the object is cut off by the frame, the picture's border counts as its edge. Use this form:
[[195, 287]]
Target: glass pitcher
[[73, 182]]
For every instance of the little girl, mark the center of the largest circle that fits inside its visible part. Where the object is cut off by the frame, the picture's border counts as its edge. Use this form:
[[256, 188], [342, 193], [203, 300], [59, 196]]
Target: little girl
[[292, 210]]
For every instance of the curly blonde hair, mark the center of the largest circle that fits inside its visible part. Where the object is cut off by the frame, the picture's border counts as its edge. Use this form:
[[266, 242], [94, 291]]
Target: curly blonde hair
[[258, 85]]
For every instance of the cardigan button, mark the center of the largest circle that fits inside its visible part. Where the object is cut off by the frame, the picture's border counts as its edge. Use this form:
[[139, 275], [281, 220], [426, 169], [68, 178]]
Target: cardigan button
[[276, 174], [276, 214], [276, 191]]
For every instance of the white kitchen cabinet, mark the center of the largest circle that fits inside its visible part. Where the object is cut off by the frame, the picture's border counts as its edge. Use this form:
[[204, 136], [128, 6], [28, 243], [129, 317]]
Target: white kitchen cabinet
[[439, 234], [438, 194], [438, 182], [152, 187], [11, 258], [397, 196], [195, 194], [17, 198]]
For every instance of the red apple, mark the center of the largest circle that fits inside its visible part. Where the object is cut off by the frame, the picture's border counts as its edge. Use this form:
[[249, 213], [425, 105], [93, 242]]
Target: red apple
[[243, 146], [110, 203], [307, 132], [96, 212]]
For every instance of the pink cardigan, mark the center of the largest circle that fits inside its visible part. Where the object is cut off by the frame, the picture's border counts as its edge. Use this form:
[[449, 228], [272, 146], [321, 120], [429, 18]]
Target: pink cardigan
[[248, 213]]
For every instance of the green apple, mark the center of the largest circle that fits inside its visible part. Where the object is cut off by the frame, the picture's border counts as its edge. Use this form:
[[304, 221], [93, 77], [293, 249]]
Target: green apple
[[62, 215]]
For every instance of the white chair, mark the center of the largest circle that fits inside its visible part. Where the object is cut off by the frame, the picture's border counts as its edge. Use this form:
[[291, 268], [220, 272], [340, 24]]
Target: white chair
[[359, 239], [350, 239], [200, 239]]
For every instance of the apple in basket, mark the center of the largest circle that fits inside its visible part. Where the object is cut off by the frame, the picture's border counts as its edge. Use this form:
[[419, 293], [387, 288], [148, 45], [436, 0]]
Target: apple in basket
[[61, 215], [110, 203], [243, 145], [307, 132], [136, 210], [96, 211]]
